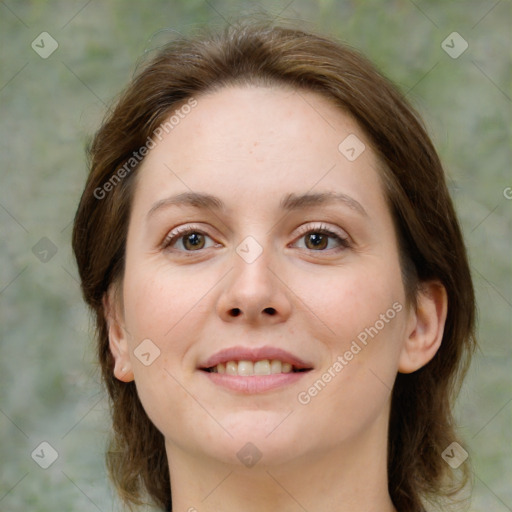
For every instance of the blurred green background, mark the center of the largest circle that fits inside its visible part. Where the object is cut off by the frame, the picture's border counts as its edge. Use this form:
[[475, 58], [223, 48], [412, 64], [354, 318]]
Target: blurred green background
[[51, 106]]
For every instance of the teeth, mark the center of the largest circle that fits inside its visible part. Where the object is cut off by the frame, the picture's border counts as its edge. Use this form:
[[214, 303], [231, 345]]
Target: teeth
[[262, 367], [276, 366], [245, 368], [286, 367], [232, 368], [248, 368]]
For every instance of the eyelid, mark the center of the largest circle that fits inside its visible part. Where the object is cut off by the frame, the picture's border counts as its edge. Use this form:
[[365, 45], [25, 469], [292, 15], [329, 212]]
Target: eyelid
[[307, 228]]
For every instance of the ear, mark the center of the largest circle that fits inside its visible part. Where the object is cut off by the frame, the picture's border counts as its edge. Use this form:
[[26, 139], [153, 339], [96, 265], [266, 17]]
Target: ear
[[117, 335], [426, 327]]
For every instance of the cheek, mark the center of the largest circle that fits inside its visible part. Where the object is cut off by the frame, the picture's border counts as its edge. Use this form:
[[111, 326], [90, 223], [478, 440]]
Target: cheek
[[169, 307], [364, 316], [351, 299], [159, 306], [158, 300], [369, 325]]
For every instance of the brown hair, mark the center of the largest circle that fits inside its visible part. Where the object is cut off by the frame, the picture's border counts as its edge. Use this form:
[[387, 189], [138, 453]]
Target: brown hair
[[430, 239]]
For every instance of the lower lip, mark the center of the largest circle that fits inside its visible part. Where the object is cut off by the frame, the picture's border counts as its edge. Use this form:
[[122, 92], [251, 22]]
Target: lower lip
[[254, 383]]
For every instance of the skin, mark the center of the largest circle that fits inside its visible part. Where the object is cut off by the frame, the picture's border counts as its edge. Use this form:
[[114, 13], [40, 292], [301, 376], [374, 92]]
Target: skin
[[250, 146]]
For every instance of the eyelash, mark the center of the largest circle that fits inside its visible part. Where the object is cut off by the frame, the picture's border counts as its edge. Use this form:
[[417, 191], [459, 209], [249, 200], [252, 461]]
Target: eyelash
[[181, 232]]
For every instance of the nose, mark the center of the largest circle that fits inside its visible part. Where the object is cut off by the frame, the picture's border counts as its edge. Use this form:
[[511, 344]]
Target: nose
[[254, 292]]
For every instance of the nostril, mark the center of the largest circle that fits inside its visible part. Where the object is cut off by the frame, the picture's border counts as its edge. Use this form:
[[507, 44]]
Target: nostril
[[237, 312]]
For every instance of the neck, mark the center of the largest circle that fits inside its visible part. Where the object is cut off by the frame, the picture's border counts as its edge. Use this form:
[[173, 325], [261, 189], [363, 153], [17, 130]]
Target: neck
[[351, 476]]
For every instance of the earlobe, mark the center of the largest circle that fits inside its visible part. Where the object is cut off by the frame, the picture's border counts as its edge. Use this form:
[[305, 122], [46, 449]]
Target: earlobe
[[118, 342], [426, 327]]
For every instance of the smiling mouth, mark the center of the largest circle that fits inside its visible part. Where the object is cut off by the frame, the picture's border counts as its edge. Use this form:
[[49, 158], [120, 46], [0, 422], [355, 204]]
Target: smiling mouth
[[245, 368]]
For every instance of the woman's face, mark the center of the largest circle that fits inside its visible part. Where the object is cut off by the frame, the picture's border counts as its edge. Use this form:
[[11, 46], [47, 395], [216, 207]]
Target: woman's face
[[313, 283]]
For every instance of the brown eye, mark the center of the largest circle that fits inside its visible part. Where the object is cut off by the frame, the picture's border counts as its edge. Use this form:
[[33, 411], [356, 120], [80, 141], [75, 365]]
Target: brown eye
[[193, 241], [185, 240], [319, 239]]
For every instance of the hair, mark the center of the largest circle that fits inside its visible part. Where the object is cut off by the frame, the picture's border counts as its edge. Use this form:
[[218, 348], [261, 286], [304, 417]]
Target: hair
[[431, 245]]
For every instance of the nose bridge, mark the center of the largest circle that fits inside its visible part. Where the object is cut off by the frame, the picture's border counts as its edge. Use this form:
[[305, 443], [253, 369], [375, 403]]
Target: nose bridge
[[253, 291], [252, 277], [254, 252]]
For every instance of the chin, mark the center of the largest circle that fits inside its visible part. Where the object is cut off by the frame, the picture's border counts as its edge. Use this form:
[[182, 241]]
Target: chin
[[260, 435]]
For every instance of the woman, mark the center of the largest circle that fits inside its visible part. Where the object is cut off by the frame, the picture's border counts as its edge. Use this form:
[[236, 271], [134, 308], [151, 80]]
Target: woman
[[283, 300]]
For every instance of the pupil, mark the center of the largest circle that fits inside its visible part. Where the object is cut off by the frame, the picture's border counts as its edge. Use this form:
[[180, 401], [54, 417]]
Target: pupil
[[317, 239], [194, 239]]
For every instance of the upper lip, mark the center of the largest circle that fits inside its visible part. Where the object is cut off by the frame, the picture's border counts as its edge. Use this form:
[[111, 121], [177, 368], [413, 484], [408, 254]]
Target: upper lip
[[254, 354]]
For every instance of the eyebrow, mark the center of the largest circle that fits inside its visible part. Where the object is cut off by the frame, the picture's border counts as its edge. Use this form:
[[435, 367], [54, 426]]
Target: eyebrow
[[289, 202]]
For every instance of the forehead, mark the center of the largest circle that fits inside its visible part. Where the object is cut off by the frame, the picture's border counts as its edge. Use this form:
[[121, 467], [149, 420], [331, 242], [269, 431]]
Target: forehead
[[253, 143]]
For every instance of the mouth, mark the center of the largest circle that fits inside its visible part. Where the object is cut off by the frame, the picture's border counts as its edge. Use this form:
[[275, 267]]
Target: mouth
[[254, 370], [249, 368]]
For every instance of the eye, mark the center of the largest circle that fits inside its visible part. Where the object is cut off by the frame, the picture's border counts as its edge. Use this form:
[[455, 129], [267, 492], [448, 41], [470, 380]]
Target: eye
[[317, 239], [189, 238]]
